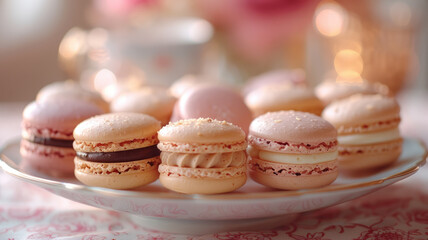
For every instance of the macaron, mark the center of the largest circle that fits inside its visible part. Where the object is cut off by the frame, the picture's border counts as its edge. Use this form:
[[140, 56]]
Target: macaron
[[47, 133], [73, 90], [329, 91], [156, 102], [292, 150], [213, 101], [117, 150], [273, 98], [179, 87], [202, 156], [368, 131], [293, 77]]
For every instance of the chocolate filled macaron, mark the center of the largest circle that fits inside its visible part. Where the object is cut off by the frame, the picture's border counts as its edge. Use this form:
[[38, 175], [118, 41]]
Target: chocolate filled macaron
[[292, 150], [47, 133], [117, 150], [368, 131], [202, 156]]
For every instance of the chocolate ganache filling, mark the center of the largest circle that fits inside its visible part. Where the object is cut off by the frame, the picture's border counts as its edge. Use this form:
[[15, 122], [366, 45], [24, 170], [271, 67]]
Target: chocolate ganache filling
[[120, 156], [51, 141]]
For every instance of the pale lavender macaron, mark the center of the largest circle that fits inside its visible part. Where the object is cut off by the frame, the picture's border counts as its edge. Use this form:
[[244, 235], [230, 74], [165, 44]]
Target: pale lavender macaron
[[211, 101]]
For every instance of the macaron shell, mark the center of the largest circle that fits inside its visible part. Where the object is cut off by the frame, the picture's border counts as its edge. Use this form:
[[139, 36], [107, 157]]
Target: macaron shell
[[55, 161], [371, 156], [293, 127], [125, 175], [71, 90], [217, 102], [297, 170], [277, 98], [329, 91], [292, 182], [202, 181], [57, 119], [201, 131], [155, 102], [117, 127], [293, 77], [361, 109]]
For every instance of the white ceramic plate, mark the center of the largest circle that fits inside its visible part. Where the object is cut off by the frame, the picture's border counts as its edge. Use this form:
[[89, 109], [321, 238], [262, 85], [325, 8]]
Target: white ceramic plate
[[252, 205]]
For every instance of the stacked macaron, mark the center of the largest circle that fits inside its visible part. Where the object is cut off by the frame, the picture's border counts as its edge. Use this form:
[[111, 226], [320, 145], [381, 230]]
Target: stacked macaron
[[47, 133], [202, 156], [292, 150], [117, 150], [368, 130]]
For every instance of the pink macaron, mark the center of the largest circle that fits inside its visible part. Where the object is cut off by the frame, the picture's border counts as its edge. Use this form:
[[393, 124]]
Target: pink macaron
[[47, 133], [292, 150], [212, 101], [294, 77]]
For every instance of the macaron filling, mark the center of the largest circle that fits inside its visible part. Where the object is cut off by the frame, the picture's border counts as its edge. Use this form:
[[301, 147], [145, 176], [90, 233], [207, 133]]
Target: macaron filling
[[370, 138], [298, 158], [50, 141], [120, 156]]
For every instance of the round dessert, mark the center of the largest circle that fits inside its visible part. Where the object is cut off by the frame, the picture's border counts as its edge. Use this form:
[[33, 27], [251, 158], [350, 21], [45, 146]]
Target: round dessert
[[47, 133], [71, 89], [156, 102], [329, 91], [211, 101], [274, 98], [292, 150], [202, 156], [117, 150], [179, 87], [294, 77], [368, 132]]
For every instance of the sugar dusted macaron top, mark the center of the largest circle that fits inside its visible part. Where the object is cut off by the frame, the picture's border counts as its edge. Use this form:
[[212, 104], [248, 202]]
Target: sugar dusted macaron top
[[204, 132], [116, 132], [292, 131], [362, 113]]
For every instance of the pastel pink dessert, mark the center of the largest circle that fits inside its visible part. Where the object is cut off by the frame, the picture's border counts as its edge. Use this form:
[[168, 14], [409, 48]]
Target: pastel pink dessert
[[216, 102], [292, 150], [47, 133], [294, 77]]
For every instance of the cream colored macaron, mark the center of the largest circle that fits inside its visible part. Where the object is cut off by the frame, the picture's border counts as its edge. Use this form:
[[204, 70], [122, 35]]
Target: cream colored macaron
[[273, 98], [202, 156], [117, 150], [368, 130], [156, 102]]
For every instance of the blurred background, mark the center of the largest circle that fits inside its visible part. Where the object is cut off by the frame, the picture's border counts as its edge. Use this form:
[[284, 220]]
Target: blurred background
[[134, 42]]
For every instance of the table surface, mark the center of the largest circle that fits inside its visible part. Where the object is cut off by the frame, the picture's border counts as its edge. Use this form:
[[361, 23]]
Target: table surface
[[399, 211]]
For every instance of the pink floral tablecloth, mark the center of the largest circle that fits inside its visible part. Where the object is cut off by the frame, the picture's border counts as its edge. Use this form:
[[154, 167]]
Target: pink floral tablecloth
[[399, 211]]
